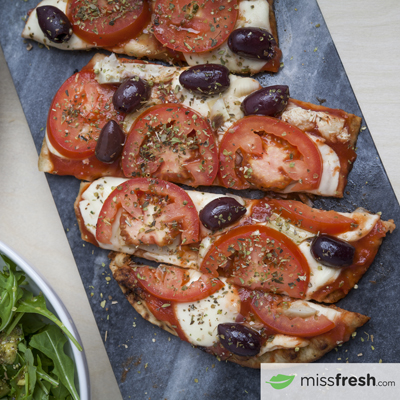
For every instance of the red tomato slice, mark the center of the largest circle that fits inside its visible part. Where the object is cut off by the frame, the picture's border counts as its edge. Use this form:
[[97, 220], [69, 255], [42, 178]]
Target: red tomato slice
[[308, 218], [194, 27], [273, 155], [172, 283], [177, 207], [258, 257], [79, 110], [171, 142], [108, 22], [270, 309]]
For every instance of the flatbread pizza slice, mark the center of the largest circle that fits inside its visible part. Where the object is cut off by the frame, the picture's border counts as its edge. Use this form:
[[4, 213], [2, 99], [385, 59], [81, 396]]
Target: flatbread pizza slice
[[276, 245], [244, 326], [240, 34], [198, 127]]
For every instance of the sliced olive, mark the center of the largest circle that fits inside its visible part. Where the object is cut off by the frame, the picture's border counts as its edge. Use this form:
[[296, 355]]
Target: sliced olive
[[239, 339], [331, 251], [221, 213], [110, 143], [54, 24], [255, 43], [205, 79], [131, 94], [271, 100]]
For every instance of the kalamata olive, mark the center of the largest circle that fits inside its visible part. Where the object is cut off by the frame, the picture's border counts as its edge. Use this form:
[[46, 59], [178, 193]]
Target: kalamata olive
[[221, 213], [252, 43], [331, 251], [206, 79], [131, 94], [239, 339], [270, 101], [110, 143], [54, 24]]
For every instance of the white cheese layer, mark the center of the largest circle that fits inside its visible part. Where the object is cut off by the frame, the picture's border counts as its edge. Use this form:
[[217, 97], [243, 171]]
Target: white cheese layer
[[32, 29], [252, 13], [51, 147], [330, 126], [280, 341], [93, 199], [320, 275], [330, 170], [111, 70], [365, 221], [199, 320]]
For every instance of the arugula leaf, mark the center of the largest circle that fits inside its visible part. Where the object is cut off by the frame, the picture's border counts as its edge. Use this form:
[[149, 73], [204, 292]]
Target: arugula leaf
[[60, 392], [51, 342], [31, 323], [10, 293], [42, 375], [30, 374], [37, 305]]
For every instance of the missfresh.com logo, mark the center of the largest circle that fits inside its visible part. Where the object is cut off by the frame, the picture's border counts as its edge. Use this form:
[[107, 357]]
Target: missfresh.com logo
[[330, 381], [340, 380]]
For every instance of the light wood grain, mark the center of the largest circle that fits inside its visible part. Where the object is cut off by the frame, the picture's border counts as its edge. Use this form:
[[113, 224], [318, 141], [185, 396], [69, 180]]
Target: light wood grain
[[29, 223]]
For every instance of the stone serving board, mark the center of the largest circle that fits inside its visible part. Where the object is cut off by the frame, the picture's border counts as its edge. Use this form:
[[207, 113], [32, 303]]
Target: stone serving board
[[148, 362]]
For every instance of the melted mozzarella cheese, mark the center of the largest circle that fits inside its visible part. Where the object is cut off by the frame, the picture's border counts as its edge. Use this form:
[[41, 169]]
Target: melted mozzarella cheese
[[111, 70], [252, 13], [199, 320], [330, 170], [365, 221], [280, 341], [280, 224], [320, 275], [51, 147], [32, 29], [93, 199], [201, 199], [330, 126]]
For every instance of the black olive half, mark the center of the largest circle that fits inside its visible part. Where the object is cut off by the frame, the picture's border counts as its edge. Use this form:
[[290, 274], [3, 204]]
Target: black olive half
[[332, 252], [54, 24]]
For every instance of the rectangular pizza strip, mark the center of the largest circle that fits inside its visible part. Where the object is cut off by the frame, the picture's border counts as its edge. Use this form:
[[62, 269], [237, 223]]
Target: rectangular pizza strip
[[307, 148], [143, 43], [276, 245], [230, 322]]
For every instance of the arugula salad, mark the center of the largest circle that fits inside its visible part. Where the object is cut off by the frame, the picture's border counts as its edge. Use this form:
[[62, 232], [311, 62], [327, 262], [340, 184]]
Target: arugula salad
[[33, 363]]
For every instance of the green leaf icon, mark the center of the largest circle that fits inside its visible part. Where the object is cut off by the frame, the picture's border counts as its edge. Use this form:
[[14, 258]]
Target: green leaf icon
[[281, 381]]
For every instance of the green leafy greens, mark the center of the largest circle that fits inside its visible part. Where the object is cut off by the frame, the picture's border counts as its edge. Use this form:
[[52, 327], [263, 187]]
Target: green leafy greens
[[33, 363]]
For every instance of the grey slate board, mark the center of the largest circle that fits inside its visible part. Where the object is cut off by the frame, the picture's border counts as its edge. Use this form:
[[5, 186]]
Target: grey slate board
[[166, 367]]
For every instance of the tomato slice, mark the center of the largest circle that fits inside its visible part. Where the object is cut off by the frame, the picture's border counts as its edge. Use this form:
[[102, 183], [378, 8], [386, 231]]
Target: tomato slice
[[172, 283], [194, 27], [108, 22], [305, 217], [79, 110], [171, 142], [173, 206], [258, 257], [267, 153], [271, 310]]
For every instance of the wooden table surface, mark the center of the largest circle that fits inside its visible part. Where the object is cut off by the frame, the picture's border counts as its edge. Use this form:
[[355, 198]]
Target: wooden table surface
[[367, 36]]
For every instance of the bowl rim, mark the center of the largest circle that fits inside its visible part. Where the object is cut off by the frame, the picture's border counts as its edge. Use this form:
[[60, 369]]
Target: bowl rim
[[81, 364]]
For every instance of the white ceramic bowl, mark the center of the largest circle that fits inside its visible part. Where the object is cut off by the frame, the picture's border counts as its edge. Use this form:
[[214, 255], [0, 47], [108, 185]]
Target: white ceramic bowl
[[37, 284]]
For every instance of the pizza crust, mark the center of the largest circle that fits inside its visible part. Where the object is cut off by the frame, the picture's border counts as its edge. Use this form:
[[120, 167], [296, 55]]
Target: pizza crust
[[316, 348]]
